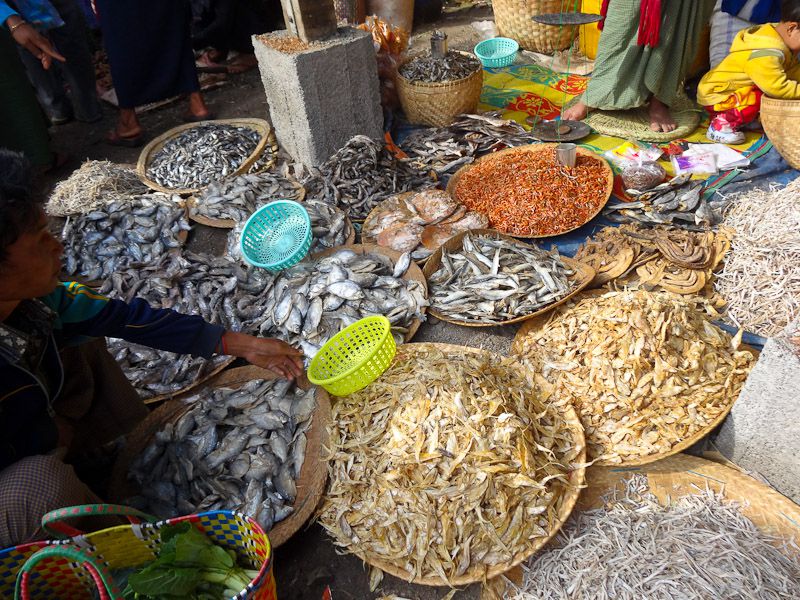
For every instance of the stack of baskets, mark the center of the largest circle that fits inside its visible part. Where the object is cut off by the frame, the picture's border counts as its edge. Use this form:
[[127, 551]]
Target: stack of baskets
[[513, 19], [436, 104]]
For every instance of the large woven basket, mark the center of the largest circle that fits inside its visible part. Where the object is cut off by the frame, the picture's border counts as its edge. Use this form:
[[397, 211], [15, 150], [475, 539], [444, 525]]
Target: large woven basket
[[513, 18], [437, 104], [780, 119]]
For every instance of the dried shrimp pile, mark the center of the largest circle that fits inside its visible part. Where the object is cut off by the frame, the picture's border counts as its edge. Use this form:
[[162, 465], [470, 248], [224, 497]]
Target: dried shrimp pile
[[645, 371], [528, 193], [95, 183], [675, 260], [760, 280], [418, 223], [449, 464], [700, 547]]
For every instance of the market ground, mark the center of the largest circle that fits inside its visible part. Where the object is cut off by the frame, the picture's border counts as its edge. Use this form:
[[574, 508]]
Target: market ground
[[309, 562]]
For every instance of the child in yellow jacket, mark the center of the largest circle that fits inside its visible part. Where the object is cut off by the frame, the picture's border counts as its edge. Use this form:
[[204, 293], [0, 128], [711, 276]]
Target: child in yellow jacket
[[761, 61]]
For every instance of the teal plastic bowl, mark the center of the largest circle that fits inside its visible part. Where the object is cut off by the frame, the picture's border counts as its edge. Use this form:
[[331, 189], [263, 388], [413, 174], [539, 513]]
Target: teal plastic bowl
[[277, 236], [497, 52]]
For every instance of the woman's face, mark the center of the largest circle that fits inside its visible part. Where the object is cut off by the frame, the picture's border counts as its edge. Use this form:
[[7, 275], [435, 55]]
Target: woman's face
[[32, 264]]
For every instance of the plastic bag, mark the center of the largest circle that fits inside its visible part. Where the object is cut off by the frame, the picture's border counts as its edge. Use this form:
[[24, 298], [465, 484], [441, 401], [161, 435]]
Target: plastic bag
[[696, 163], [633, 153], [644, 176], [390, 44]]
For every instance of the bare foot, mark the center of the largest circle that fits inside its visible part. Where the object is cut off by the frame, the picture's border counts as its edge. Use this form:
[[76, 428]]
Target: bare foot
[[660, 117], [576, 112]]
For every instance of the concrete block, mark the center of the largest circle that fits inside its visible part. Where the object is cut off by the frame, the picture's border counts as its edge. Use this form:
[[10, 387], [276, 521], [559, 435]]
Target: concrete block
[[762, 433], [321, 97]]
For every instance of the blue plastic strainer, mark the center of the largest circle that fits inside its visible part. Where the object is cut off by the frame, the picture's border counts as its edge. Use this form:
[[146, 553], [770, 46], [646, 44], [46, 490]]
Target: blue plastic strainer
[[277, 236]]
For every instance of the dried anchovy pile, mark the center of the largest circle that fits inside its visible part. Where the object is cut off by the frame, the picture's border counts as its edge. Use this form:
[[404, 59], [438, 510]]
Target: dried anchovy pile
[[94, 184], [760, 279], [448, 464], [453, 66], [645, 371], [491, 280], [201, 155], [362, 174], [700, 547], [528, 193]]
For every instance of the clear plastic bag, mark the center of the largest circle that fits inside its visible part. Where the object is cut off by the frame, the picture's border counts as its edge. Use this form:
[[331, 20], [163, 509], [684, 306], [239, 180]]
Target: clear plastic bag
[[644, 176]]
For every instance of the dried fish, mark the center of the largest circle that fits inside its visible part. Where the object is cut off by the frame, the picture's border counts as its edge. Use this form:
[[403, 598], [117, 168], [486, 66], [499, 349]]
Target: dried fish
[[645, 371], [491, 280], [450, 463], [760, 279], [115, 235], [201, 155], [699, 547], [220, 454], [94, 184], [426, 68], [362, 174]]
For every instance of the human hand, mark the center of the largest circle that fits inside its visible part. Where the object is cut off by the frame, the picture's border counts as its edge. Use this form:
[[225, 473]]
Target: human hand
[[33, 41], [274, 355]]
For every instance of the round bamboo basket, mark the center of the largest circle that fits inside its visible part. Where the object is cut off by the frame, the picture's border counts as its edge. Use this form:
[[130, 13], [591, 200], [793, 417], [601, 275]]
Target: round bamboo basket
[[513, 18], [437, 104], [147, 153], [569, 496], [582, 278], [674, 478], [313, 474], [780, 119], [533, 149]]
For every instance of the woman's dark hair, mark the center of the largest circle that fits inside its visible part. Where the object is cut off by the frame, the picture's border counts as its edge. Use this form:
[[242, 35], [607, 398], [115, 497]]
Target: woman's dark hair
[[19, 205], [790, 11]]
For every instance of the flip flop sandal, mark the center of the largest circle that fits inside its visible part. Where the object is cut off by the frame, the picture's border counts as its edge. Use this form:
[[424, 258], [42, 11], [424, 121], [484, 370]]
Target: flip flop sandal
[[190, 118], [114, 139]]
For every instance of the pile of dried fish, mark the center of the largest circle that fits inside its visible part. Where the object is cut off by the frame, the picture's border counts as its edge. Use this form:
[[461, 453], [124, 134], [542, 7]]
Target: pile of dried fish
[[201, 155], [426, 68], [449, 464], [95, 183], [677, 202], [700, 547], [362, 174], [491, 280], [489, 132], [418, 223], [668, 258], [235, 449], [329, 227], [760, 279], [646, 371], [136, 229], [314, 300], [237, 198]]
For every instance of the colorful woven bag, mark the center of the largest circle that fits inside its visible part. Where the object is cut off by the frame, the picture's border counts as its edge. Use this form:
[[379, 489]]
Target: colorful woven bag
[[80, 565]]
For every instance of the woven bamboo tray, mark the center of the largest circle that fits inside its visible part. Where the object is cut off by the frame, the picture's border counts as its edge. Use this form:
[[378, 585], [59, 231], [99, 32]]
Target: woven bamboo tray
[[536, 149], [780, 118], [437, 103], [569, 501], [414, 272], [313, 475], [541, 321], [582, 278], [679, 476], [514, 20], [145, 157]]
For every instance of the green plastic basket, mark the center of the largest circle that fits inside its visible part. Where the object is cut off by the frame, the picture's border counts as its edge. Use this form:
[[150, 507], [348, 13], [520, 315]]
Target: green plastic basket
[[277, 236], [497, 52], [354, 357]]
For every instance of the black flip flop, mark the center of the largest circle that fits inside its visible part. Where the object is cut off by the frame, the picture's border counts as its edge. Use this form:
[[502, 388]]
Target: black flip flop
[[190, 118]]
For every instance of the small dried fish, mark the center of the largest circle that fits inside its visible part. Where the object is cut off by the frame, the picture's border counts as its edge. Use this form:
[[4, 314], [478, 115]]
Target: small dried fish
[[201, 155], [645, 371], [700, 547], [450, 463], [453, 66], [491, 280]]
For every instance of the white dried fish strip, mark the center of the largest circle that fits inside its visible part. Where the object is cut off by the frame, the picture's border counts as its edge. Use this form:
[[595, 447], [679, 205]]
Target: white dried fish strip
[[450, 462], [760, 279], [644, 370], [95, 183], [701, 547]]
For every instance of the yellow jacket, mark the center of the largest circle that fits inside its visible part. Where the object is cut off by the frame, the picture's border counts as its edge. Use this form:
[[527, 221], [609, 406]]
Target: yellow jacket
[[759, 57]]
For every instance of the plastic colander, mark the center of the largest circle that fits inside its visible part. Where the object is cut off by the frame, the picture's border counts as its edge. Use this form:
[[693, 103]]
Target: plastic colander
[[277, 236], [354, 357], [497, 52]]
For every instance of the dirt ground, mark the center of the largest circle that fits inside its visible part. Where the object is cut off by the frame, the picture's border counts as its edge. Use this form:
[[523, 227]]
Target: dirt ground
[[309, 562]]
